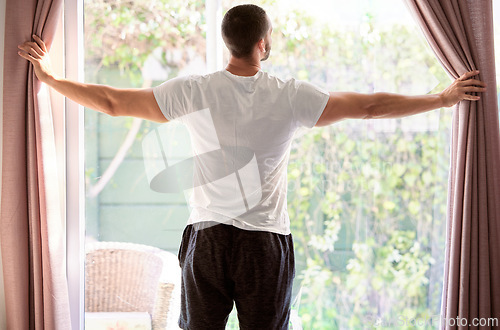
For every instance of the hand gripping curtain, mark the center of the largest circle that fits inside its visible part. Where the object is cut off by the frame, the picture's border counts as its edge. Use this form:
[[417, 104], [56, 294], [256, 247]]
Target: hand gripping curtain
[[31, 226], [460, 32]]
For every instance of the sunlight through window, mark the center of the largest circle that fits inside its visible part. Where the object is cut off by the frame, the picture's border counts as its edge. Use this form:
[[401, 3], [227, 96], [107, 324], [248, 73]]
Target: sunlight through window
[[366, 198]]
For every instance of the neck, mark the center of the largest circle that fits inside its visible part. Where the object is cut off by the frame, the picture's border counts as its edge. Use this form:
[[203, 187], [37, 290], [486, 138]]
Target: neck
[[243, 66]]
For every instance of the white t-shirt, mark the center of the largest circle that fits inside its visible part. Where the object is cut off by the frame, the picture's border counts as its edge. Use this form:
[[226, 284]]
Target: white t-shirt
[[241, 130]]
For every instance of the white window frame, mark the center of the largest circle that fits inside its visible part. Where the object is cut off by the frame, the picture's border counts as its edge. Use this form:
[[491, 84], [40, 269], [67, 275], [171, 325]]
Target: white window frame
[[75, 184], [75, 159]]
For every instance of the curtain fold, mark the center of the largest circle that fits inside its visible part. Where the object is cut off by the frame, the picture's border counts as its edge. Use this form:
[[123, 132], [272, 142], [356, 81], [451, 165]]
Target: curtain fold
[[31, 224], [460, 32]]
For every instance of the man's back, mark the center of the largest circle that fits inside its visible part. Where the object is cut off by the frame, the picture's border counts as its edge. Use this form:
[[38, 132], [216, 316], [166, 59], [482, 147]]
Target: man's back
[[241, 129]]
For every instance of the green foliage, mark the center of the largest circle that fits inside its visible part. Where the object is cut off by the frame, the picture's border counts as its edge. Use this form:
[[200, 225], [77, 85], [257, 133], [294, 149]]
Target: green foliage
[[363, 236], [122, 34], [375, 202], [381, 274]]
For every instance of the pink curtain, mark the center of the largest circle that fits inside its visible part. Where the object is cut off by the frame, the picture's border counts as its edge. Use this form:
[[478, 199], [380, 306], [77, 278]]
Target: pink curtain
[[31, 225], [460, 32]]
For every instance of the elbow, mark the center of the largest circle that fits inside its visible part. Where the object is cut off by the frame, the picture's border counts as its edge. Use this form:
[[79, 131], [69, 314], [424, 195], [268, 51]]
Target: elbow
[[111, 111], [110, 108], [109, 102], [369, 112], [373, 109]]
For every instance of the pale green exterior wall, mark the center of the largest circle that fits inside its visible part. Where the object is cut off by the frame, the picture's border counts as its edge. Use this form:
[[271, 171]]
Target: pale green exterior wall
[[127, 209]]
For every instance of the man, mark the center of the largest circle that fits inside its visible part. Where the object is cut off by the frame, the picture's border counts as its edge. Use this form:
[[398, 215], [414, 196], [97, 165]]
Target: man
[[237, 246]]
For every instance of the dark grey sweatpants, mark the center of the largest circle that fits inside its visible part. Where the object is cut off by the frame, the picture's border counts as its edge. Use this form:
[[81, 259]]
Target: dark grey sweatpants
[[221, 264]]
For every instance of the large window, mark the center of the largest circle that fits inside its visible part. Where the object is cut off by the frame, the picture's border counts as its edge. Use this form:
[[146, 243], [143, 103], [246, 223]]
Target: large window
[[367, 199], [133, 44]]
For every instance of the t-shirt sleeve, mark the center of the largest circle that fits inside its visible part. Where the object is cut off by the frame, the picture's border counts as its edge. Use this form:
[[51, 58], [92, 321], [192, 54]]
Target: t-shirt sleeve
[[173, 97], [308, 103]]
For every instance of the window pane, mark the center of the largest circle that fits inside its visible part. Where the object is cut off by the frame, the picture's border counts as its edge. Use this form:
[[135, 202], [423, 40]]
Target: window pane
[[367, 199], [132, 44]]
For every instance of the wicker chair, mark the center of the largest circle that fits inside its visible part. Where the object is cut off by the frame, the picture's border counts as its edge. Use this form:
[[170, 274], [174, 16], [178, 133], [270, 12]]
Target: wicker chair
[[127, 277]]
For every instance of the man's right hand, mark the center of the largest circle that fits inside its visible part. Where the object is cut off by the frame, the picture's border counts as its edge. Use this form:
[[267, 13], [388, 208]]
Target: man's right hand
[[36, 52]]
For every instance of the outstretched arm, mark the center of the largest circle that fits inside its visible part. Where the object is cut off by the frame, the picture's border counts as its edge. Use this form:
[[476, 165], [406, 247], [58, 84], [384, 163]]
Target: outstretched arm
[[133, 102], [346, 105]]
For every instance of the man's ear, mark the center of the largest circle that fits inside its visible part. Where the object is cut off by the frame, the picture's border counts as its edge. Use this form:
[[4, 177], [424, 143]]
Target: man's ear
[[262, 45]]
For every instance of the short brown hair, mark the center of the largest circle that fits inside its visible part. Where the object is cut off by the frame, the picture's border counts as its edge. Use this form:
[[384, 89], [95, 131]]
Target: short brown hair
[[242, 27]]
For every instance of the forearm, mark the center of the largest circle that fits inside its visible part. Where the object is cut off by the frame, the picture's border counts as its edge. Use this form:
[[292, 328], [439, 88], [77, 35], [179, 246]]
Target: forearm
[[349, 105], [96, 97], [388, 105]]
